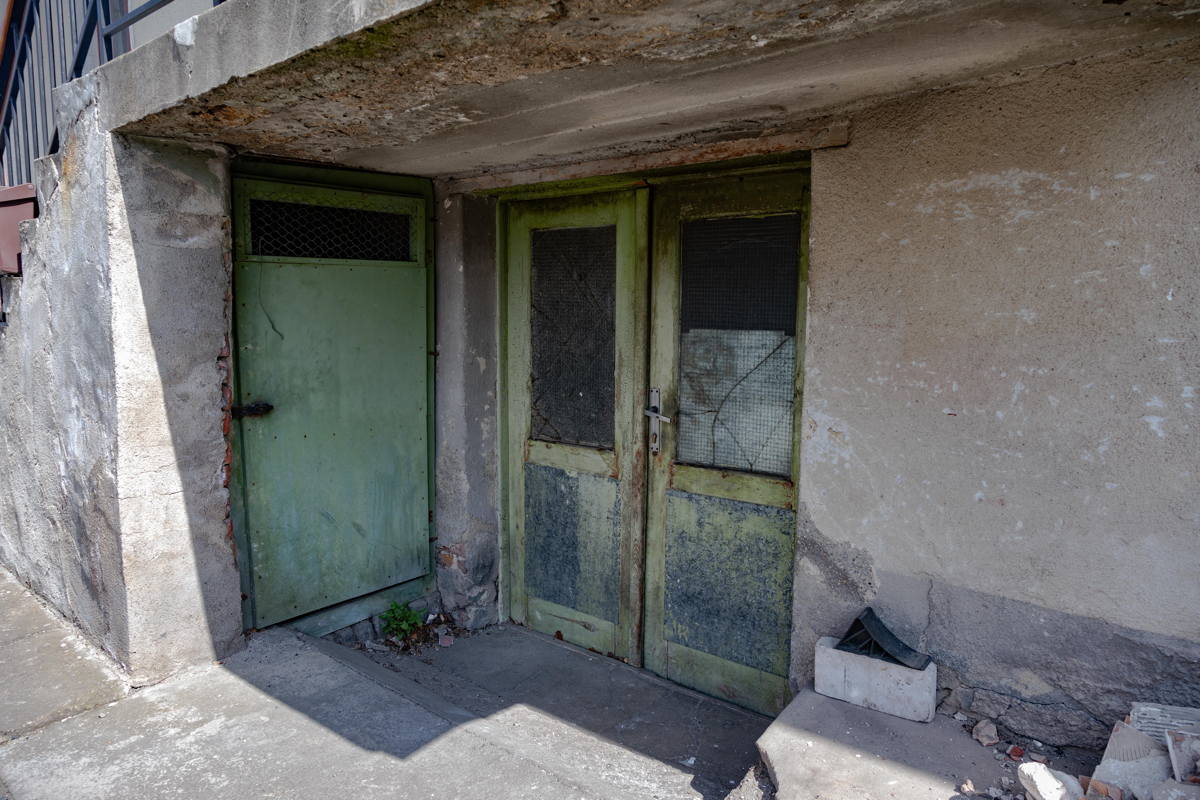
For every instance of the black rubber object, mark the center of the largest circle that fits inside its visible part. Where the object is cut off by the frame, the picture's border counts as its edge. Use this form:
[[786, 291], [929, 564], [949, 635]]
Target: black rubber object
[[868, 636]]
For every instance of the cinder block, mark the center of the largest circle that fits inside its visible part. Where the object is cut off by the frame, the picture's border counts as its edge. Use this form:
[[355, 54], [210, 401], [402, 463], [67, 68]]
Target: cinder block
[[875, 684]]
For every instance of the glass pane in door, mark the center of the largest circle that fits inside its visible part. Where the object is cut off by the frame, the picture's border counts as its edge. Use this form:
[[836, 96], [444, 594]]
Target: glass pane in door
[[737, 346], [573, 290]]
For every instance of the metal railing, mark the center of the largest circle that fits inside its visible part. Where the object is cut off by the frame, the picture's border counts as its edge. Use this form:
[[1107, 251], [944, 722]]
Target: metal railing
[[48, 43]]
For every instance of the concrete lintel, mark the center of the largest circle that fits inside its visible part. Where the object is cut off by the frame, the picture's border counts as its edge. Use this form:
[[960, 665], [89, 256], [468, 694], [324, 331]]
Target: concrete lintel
[[833, 133]]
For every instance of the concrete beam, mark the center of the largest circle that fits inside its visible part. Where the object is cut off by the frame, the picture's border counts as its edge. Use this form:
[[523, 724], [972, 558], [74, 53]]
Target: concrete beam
[[461, 88]]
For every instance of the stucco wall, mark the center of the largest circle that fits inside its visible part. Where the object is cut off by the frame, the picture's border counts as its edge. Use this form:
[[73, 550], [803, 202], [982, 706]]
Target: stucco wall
[[169, 258], [466, 516], [58, 509], [116, 510], [1001, 445]]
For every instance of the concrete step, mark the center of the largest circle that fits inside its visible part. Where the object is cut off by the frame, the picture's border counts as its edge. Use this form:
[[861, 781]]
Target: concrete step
[[829, 749]]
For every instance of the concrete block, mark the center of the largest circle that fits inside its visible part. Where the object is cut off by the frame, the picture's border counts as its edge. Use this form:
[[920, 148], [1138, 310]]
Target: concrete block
[[875, 684], [1174, 790], [828, 749]]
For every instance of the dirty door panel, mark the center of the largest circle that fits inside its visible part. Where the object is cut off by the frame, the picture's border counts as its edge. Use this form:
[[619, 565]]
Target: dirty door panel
[[576, 323], [335, 477], [727, 310]]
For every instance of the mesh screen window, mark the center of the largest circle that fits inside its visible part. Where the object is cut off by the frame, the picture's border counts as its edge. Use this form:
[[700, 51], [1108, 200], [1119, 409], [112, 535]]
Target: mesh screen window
[[298, 230], [738, 342], [572, 326]]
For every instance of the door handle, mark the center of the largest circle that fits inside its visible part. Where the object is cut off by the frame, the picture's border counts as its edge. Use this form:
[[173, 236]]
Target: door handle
[[252, 410], [654, 412]]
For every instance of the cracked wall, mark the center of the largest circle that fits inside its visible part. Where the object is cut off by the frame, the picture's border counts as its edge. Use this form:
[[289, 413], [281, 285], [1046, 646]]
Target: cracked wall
[[1001, 444], [466, 518], [58, 512], [117, 512]]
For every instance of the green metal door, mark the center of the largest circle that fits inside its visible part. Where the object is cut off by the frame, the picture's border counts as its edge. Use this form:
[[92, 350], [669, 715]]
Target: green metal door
[[330, 296], [576, 324], [674, 551], [728, 320]]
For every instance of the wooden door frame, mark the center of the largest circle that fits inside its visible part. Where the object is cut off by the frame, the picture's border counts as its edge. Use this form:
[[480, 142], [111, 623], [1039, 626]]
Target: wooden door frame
[[303, 177], [511, 589], [729, 198], [626, 461]]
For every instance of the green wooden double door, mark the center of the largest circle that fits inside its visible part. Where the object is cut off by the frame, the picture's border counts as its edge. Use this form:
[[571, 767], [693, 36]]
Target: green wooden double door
[[331, 469], [652, 400]]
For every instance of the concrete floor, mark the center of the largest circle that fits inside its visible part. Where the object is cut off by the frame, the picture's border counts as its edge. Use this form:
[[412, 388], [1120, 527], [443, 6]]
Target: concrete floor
[[602, 711], [49, 672], [501, 714], [513, 716]]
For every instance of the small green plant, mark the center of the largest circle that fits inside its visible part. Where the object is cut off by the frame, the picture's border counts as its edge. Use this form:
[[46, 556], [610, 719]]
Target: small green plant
[[400, 621]]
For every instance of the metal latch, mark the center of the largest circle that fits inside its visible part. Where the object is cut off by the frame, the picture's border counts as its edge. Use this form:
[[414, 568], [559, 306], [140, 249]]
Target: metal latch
[[253, 410], [656, 419]]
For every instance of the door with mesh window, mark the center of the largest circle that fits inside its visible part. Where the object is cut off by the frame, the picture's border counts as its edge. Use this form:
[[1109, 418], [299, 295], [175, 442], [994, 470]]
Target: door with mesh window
[[674, 552], [576, 323], [331, 395], [727, 311]]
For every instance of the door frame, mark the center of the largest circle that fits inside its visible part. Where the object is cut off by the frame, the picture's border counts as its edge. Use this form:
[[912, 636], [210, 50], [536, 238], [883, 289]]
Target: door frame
[[323, 621], [714, 198], [511, 589], [626, 210]]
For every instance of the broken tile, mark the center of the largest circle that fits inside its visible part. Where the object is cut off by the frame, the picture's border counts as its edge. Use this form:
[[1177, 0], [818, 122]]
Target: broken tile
[[1133, 762], [1184, 751], [1153, 719]]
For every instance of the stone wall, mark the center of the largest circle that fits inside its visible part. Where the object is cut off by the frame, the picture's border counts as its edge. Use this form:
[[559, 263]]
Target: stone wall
[[1001, 446]]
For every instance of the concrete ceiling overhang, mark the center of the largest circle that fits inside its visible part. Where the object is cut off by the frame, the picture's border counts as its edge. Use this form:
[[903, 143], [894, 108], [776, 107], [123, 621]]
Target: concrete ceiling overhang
[[461, 87]]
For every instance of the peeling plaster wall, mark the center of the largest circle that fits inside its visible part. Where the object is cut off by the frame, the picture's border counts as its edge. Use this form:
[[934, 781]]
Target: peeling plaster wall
[[466, 510], [116, 510], [58, 509], [169, 240], [1002, 445]]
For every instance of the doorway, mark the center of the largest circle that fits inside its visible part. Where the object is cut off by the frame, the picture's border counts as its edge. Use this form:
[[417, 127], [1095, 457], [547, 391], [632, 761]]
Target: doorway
[[653, 395], [331, 395]]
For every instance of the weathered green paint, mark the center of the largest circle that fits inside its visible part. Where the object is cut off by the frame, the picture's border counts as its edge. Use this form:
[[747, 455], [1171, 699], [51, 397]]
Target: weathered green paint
[[748, 195], [329, 620], [729, 579], [335, 481], [624, 463], [732, 485], [746, 686], [572, 539], [574, 625], [571, 457], [761, 504]]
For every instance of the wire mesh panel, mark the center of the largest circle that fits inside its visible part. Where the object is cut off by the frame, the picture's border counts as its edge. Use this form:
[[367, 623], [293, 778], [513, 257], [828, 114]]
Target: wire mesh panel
[[573, 293], [299, 230], [737, 343]]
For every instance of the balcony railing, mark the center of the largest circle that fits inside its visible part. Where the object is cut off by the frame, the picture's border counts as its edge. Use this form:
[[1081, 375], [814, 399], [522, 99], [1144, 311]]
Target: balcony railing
[[50, 42]]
